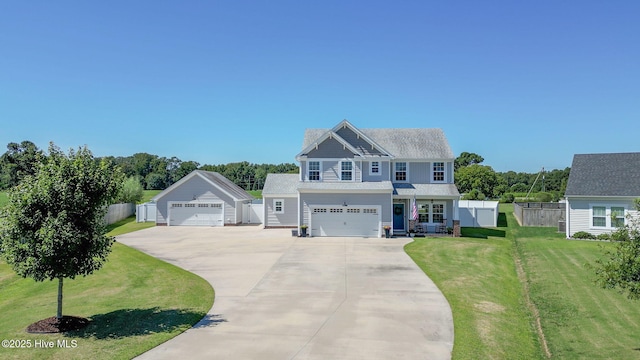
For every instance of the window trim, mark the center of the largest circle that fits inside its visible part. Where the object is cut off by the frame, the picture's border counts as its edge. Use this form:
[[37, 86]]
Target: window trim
[[352, 171], [319, 170], [275, 206], [406, 171], [607, 215], [379, 173], [444, 172], [425, 207]]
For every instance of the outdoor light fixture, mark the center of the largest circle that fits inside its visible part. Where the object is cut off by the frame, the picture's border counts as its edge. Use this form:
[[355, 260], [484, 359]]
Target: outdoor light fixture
[[344, 203]]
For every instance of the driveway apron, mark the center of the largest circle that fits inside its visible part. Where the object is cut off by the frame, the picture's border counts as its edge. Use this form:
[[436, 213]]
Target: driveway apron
[[282, 297]]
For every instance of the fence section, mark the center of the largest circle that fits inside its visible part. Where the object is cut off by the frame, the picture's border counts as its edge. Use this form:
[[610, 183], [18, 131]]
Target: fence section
[[118, 212], [539, 214]]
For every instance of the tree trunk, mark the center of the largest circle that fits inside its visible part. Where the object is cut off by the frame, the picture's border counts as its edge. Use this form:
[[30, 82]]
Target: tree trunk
[[59, 313]]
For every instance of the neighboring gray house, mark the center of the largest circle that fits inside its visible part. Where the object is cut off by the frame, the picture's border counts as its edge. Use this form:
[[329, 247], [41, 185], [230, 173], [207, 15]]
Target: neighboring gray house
[[353, 182], [599, 186], [201, 198]]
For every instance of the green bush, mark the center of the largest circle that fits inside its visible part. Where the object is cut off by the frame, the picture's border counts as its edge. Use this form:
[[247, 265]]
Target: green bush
[[131, 191], [474, 194], [544, 197], [508, 198], [583, 235], [604, 236]]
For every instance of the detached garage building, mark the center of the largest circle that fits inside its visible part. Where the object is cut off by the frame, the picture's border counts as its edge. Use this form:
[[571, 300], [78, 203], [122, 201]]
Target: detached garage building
[[202, 198]]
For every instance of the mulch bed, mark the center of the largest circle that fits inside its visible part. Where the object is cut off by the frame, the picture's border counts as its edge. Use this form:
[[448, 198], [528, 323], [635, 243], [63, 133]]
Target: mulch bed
[[53, 325]]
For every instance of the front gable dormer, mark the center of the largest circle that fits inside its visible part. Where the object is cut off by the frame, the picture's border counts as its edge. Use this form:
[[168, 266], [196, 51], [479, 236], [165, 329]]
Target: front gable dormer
[[343, 141]]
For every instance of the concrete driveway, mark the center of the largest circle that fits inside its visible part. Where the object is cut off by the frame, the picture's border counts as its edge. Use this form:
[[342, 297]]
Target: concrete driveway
[[280, 297]]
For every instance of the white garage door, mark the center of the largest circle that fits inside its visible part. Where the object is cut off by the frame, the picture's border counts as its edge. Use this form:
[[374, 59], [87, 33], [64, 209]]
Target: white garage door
[[195, 214], [345, 221]]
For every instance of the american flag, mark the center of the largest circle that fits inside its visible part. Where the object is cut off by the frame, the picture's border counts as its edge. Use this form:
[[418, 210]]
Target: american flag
[[414, 210]]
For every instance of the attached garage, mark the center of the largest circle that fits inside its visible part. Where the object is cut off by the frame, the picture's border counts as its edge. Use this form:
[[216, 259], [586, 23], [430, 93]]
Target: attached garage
[[338, 220], [196, 214]]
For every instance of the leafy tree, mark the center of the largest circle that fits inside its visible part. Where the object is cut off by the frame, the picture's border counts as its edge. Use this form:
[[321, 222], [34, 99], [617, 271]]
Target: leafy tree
[[132, 191], [620, 269], [479, 177], [474, 194], [155, 181], [53, 227], [466, 159], [19, 161]]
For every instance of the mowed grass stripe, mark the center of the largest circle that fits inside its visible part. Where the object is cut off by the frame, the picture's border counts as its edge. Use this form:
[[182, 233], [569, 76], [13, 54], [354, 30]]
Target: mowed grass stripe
[[478, 278], [580, 319]]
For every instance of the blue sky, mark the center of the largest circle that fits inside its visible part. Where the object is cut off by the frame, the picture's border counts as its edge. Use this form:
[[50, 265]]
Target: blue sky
[[525, 85]]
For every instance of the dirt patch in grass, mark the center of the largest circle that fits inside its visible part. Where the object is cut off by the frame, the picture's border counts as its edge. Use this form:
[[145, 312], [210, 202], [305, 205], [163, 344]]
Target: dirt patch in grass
[[489, 307]]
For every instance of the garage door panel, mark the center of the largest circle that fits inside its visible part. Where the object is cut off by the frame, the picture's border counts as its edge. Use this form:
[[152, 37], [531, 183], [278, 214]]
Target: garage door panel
[[345, 221], [196, 214]]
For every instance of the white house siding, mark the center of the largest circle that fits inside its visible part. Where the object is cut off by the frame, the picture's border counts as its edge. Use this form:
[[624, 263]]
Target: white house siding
[[579, 213], [201, 190], [308, 199], [288, 218]]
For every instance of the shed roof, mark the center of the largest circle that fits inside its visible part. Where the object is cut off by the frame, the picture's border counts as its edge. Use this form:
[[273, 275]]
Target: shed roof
[[281, 184], [433, 190], [611, 174]]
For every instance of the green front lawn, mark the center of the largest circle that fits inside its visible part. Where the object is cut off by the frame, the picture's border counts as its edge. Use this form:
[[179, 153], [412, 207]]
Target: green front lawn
[[135, 302], [478, 276]]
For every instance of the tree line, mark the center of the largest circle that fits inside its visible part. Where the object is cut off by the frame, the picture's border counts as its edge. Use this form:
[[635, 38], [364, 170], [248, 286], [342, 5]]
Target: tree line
[[153, 172]]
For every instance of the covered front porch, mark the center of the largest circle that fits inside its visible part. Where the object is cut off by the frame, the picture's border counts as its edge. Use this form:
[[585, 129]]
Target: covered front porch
[[425, 209]]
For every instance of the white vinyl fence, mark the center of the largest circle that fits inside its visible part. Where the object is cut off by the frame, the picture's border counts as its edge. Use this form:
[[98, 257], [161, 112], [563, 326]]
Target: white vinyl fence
[[146, 212], [118, 212]]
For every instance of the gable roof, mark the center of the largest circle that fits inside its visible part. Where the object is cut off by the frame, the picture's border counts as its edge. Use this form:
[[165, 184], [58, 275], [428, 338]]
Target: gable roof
[[402, 143], [613, 174], [215, 179]]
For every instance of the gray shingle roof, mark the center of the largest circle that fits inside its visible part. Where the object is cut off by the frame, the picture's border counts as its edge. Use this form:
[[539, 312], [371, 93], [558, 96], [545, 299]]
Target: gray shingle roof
[[614, 174], [435, 190], [382, 186], [400, 142], [227, 185], [281, 184]]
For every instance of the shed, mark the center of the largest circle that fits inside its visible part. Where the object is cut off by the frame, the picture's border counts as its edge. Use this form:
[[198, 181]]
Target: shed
[[201, 198], [478, 213]]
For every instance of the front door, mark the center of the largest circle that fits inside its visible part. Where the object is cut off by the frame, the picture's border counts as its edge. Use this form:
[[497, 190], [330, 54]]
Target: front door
[[398, 217]]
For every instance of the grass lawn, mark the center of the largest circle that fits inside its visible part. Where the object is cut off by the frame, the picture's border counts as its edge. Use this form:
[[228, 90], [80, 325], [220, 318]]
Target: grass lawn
[[135, 302], [147, 195], [477, 274], [256, 193]]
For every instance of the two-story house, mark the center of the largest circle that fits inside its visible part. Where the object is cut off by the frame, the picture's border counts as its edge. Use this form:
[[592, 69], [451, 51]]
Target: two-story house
[[353, 182]]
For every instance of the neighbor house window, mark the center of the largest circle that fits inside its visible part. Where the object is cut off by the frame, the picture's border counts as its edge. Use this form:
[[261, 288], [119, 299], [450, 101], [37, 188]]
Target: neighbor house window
[[400, 171], [314, 170], [599, 216], [278, 206], [346, 173], [375, 168], [438, 171], [617, 216]]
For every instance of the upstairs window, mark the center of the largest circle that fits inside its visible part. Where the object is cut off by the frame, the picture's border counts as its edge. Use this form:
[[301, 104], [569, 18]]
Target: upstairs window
[[346, 173], [314, 170], [438, 171], [400, 171], [374, 168]]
